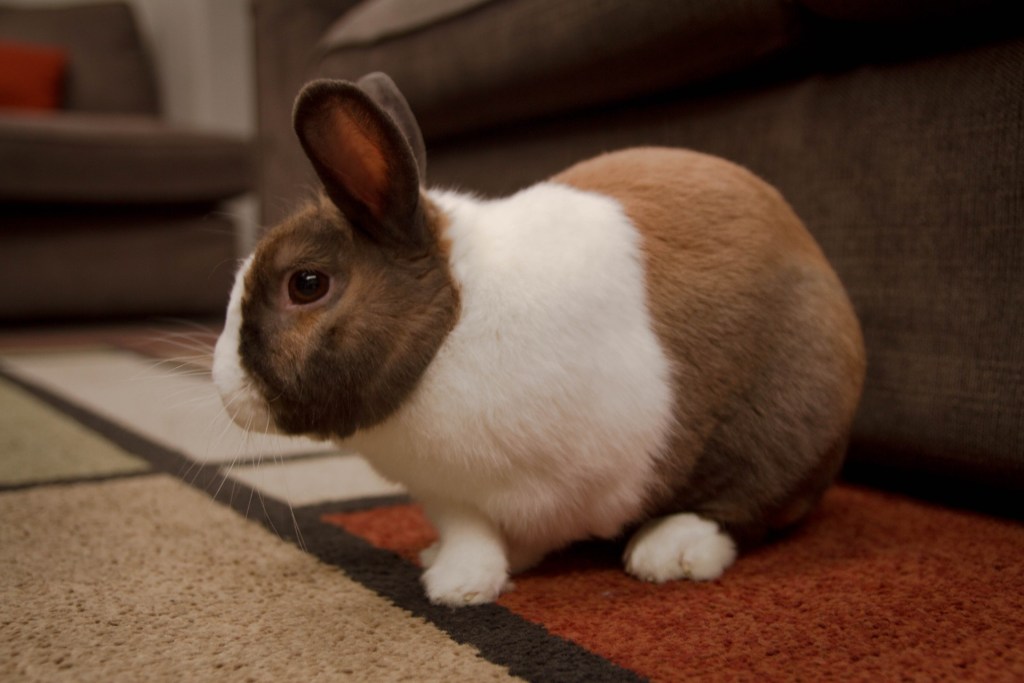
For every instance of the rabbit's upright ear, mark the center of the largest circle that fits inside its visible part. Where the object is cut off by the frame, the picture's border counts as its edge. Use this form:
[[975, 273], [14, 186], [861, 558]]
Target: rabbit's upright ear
[[383, 91], [364, 161]]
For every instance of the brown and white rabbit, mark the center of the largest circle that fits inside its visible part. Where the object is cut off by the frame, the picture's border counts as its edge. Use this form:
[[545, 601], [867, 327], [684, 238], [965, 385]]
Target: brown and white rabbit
[[648, 342]]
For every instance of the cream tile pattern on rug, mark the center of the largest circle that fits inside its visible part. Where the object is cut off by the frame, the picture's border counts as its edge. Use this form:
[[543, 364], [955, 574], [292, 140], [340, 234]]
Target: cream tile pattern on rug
[[178, 410], [316, 480], [39, 444]]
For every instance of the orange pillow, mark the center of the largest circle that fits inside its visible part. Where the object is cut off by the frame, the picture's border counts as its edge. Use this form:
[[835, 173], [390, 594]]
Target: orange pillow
[[31, 76]]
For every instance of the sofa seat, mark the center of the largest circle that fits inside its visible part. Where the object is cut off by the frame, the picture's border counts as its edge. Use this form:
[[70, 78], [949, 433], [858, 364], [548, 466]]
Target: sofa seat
[[84, 157]]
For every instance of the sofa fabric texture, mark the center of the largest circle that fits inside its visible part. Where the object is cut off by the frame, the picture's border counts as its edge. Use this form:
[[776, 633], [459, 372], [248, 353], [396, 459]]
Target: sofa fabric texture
[[894, 129], [104, 158], [79, 261]]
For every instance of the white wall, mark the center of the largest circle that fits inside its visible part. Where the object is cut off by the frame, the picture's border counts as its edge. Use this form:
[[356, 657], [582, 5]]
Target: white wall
[[204, 61], [203, 54]]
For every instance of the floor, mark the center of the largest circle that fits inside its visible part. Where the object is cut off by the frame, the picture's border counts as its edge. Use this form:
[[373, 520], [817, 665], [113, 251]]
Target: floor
[[132, 426]]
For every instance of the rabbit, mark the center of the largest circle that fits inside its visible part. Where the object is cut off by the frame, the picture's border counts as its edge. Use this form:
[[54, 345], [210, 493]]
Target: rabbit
[[648, 344]]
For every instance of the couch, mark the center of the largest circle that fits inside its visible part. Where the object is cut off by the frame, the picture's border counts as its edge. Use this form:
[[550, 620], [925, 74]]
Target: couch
[[106, 208], [894, 128]]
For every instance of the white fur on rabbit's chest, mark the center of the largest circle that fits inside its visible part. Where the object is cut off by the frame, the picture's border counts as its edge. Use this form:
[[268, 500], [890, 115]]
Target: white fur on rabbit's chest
[[549, 403]]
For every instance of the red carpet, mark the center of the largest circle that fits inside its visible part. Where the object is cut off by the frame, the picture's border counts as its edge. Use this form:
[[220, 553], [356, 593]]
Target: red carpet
[[875, 587]]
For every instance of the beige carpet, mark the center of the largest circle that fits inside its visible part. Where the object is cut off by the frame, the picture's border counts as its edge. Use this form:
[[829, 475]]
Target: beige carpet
[[146, 579]]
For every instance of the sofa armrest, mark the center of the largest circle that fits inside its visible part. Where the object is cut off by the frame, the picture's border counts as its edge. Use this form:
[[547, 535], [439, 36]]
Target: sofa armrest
[[286, 31]]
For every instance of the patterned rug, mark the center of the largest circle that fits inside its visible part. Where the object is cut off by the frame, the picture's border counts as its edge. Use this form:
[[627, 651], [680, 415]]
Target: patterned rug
[[144, 537]]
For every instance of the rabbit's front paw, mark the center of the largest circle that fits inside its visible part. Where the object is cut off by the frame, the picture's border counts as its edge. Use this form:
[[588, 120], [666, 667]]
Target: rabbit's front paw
[[683, 546], [474, 581]]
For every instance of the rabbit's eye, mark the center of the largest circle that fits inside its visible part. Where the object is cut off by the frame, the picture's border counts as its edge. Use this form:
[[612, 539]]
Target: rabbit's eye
[[307, 286]]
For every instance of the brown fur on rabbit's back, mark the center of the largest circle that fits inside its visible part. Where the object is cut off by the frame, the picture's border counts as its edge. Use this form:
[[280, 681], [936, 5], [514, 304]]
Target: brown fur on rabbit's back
[[767, 353]]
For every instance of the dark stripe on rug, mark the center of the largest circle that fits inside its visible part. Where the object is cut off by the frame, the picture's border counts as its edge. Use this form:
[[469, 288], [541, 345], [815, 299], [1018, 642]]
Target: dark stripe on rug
[[527, 649], [97, 479]]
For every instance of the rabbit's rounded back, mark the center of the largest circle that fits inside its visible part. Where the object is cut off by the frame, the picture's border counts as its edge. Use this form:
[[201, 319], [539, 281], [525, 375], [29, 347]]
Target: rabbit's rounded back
[[767, 352]]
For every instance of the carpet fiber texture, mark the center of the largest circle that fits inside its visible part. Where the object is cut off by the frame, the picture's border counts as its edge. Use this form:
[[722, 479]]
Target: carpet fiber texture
[[143, 538]]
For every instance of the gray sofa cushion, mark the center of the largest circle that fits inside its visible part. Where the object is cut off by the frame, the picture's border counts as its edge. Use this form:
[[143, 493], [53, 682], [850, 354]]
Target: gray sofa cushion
[[543, 56], [109, 68], [99, 158]]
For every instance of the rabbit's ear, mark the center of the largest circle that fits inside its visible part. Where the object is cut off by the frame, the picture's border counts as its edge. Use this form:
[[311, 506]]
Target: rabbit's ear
[[384, 92], [364, 161]]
